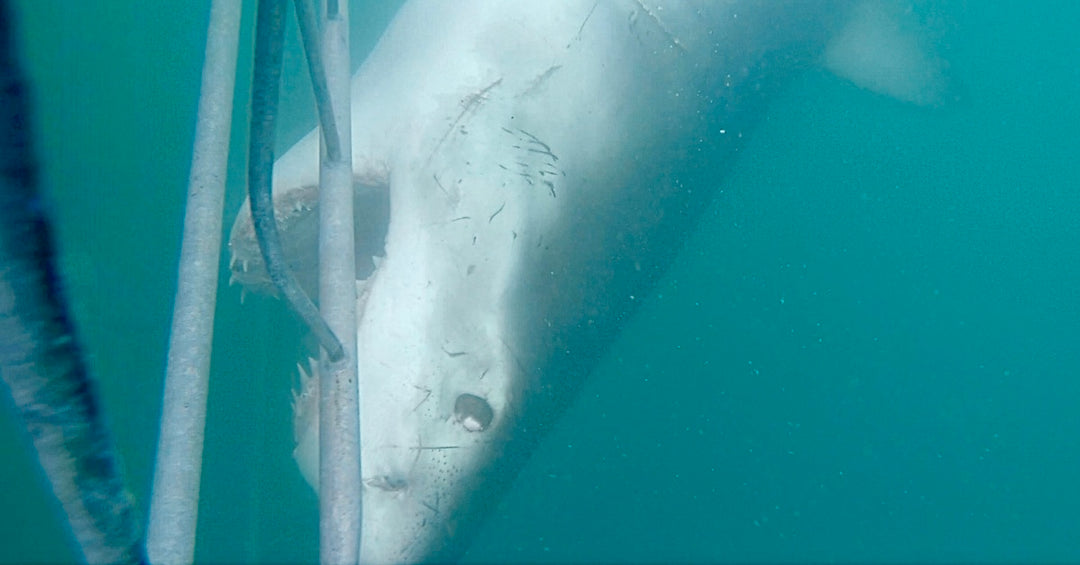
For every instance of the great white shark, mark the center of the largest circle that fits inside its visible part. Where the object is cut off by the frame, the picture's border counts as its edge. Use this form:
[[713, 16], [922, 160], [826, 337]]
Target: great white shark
[[524, 173]]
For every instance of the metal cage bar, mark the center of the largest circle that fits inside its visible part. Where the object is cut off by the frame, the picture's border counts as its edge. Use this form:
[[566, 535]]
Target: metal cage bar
[[178, 469], [339, 427]]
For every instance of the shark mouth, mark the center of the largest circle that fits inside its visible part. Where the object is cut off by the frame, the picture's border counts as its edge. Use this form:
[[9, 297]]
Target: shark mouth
[[296, 211]]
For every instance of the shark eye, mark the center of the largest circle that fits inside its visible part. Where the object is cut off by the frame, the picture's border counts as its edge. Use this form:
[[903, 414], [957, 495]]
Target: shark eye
[[474, 413]]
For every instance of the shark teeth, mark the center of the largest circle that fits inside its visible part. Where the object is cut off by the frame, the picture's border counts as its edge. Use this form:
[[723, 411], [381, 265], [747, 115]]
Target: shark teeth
[[305, 397]]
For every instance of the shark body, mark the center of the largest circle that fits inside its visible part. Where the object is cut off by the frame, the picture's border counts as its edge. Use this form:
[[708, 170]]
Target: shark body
[[525, 172]]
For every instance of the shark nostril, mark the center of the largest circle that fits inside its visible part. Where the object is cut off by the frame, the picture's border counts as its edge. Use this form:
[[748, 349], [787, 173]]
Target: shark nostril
[[474, 413]]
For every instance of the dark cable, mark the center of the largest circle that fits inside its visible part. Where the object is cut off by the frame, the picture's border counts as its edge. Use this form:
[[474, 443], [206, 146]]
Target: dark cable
[[269, 40], [41, 360], [309, 33]]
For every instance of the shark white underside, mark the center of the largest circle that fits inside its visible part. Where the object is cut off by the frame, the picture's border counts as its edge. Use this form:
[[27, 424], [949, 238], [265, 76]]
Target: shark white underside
[[524, 172]]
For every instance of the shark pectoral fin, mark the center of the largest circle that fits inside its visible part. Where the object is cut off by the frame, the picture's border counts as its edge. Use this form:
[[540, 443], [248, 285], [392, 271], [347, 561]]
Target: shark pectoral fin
[[881, 49]]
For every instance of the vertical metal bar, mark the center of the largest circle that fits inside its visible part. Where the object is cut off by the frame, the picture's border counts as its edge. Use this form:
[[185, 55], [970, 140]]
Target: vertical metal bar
[[175, 498], [339, 427]]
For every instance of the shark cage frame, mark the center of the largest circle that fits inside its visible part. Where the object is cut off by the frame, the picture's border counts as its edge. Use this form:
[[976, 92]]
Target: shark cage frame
[[174, 506]]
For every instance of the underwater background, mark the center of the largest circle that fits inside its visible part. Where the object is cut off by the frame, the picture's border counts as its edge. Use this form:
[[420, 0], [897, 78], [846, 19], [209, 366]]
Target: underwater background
[[867, 352]]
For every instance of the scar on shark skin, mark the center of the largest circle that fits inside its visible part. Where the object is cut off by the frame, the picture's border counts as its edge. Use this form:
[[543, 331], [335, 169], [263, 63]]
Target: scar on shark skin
[[535, 145], [434, 508], [492, 217], [469, 104], [659, 23], [536, 140], [386, 483], [427, 395], [454, 353], [577, 36], [437, 182], [434, 447], [540, 80]]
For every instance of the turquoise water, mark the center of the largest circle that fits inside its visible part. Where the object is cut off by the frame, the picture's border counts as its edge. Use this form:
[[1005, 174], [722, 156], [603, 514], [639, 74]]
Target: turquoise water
[[867, 351]]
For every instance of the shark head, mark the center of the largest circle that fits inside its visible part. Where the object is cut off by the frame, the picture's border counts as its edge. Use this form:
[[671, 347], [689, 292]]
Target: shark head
[[523, 174], [464, 201], [438, 374]]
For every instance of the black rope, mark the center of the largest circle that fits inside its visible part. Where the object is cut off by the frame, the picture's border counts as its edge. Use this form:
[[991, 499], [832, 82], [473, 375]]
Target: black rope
[[269, 40], [41, 360]]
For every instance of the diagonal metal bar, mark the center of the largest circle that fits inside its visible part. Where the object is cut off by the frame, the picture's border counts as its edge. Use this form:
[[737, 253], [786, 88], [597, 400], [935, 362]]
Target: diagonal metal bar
[[177, 473]]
